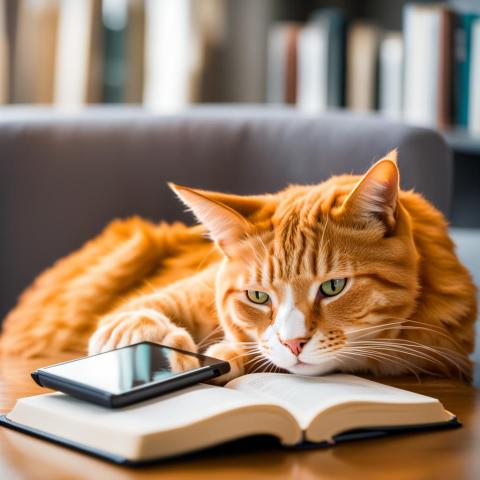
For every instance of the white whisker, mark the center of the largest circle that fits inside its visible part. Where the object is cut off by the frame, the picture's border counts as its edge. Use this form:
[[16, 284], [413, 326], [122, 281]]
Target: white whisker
[[389, 358]]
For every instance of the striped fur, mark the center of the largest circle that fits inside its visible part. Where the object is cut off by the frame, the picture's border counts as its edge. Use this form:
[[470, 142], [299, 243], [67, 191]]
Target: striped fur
[[408, 303]]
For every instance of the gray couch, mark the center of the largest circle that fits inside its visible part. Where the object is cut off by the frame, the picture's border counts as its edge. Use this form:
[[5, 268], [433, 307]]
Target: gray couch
[[64, 176]]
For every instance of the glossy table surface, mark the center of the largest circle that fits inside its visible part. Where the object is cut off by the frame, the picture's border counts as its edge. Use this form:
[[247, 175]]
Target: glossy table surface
[[449, 454]]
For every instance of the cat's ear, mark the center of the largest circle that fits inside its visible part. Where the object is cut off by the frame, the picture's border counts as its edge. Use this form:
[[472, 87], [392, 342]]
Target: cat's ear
[[376, 194], [245, 205], [224, 216]]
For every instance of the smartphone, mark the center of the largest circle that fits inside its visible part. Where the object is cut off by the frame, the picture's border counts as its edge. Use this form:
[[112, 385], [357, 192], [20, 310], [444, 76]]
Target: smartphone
[[129, 374]]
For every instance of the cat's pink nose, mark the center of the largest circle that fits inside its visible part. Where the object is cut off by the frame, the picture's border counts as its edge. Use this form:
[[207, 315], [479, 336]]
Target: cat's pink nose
[[295, 344]]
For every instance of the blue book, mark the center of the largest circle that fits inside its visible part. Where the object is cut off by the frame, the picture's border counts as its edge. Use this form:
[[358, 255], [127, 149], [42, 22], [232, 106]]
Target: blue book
[[321, 61], [334, 21], [462, 61]]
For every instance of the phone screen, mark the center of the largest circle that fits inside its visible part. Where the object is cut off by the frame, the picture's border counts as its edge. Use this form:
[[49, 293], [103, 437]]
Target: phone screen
[[126, 368]]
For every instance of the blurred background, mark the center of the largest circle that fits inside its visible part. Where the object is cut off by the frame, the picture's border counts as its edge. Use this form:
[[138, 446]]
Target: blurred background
[[418, 61], [415, 62]]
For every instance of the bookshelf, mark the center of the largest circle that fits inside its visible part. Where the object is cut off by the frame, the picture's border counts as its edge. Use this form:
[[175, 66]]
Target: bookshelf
[[389, 15], [462, 141], [466, 179]]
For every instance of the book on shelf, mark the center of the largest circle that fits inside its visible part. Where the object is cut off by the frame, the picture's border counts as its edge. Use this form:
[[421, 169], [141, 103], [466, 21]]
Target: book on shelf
[[114, 34], [134, 51], [4, 55], [170, 55], [299, 411], [444, 94], [78, 65], [210, 25], [474, 80], [428, 64], [462, 65], [362, 53], [321, 61], [35, 47], [390, 74], [123, 50], [282, 63]]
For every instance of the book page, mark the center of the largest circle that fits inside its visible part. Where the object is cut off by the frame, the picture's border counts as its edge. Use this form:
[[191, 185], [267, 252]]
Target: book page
[[166, 412], [305, 397], [185, 420]]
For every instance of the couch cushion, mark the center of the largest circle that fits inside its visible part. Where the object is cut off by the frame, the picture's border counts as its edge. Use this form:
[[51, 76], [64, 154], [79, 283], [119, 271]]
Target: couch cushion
[[64, 175]]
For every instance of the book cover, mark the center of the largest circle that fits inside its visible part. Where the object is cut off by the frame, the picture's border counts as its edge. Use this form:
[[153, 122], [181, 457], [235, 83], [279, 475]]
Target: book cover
[[362, 54], [445, 91], [114, 22], [428, 93], [78, 65], [474, 81], [169, 56], [298, 411], [321, 61], [462, 60], [391, 75], [421, 76], [253, 443], [35, 48], [134, 51], [4, 56], [282, 63], [336, 24]]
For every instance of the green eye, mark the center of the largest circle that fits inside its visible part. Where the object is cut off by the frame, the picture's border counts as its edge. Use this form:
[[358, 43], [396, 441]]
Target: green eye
[[257, 297], [330, 288]]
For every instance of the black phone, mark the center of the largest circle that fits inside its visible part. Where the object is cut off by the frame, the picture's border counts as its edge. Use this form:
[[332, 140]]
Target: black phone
[[129, 374]]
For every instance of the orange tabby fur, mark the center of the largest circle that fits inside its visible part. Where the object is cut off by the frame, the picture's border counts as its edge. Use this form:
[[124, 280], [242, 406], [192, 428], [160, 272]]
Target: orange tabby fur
[[408, 304]]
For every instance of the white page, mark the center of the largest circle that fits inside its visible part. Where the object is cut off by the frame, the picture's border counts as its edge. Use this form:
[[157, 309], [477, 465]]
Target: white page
[[306, 396], [167, 412]]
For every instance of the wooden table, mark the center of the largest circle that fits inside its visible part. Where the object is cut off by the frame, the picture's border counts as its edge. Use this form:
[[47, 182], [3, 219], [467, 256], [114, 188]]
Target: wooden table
[[451, 454]]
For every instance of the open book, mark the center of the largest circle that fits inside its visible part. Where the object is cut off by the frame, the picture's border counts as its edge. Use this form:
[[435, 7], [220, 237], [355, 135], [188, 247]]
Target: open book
[[295, 409]]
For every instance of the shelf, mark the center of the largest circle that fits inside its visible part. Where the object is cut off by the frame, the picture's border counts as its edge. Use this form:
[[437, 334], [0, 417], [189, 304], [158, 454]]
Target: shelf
[[463, 141]]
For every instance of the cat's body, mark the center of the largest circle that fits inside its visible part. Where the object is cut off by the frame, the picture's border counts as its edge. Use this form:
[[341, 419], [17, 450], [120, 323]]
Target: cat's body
[[351, 275]]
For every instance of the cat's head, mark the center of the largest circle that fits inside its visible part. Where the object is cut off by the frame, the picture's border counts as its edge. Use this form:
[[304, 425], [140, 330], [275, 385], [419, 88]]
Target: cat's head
[[311, 269]]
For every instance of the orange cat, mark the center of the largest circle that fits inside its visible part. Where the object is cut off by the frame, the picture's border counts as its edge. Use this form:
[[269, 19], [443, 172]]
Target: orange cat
[[351, 275]]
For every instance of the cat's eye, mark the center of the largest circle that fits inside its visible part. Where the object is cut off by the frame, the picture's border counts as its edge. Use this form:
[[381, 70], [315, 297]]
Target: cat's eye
[[333, 287], [258, 297]]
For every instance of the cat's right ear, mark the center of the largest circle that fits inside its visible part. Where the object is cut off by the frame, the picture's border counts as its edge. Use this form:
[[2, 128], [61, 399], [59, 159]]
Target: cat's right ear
[[375, 195], [219, 213]]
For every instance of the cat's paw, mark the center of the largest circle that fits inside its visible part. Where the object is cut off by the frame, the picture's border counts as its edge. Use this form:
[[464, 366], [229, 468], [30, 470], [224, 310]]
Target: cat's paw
[[230, 353], [144, 325]]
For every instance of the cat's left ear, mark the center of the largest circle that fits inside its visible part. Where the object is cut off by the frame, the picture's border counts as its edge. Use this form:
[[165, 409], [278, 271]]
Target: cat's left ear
[[376, 194], [225, 216]]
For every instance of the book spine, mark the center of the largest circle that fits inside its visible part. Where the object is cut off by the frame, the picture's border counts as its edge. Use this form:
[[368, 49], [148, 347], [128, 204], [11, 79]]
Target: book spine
[[362, 54], [312, 68], [390, 75], [444, 93], [336, 27], [282, 63], [134, 52], [462, 60], [275, 65], [169, 56], [422, 64], [474, 96], [114, 21], [291, 65]]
